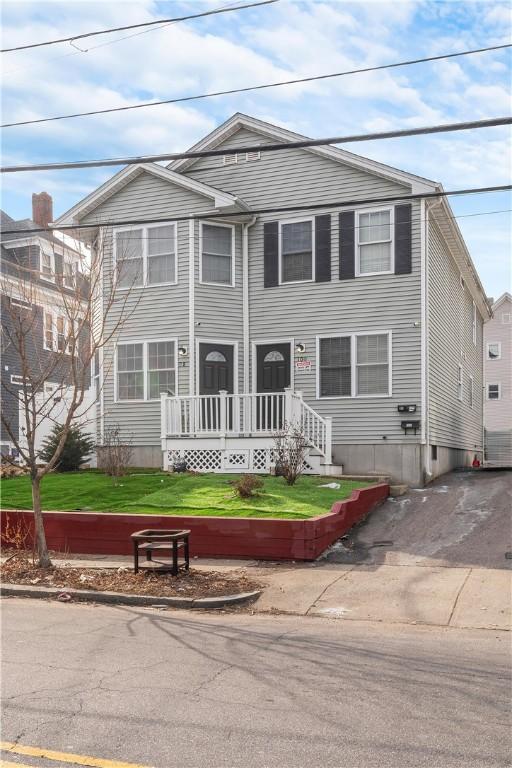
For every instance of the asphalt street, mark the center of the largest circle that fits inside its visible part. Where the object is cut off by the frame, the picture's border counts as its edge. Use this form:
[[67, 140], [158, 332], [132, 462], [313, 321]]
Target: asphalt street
[[160, 688]]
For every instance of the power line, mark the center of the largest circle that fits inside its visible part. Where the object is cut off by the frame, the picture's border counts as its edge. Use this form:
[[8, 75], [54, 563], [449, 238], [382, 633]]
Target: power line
[[277, 209], [303, 143], [279, 84], [72, 38]]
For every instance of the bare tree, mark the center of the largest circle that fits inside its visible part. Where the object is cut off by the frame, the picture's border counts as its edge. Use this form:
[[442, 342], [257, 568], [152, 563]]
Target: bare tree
[[290, 451], [115, 454], [84, 314]]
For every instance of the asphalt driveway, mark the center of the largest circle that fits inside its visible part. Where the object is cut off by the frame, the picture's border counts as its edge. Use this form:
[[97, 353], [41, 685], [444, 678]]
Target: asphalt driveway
[[463, 519]]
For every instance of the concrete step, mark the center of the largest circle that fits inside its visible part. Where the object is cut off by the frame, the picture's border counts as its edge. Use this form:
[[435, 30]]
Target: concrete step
[[398, 490]]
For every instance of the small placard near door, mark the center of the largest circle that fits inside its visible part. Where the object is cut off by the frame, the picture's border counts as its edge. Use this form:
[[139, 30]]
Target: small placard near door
[[304, 366]]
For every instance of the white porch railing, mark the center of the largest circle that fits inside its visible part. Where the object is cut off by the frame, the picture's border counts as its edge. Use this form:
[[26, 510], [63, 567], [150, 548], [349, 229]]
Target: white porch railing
[[247, 415]]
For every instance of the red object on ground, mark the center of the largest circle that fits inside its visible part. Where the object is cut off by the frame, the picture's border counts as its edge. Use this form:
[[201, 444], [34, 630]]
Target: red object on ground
[[476, 462], [103, 533]]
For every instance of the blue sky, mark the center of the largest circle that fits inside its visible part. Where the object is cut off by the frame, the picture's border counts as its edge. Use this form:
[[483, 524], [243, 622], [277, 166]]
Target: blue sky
[[281, 41]]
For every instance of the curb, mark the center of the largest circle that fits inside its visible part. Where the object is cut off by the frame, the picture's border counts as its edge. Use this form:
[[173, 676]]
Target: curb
[[119, 598]]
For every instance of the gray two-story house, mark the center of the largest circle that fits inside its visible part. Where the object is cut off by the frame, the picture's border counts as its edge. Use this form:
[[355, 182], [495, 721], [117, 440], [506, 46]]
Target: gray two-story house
[[303, 285]]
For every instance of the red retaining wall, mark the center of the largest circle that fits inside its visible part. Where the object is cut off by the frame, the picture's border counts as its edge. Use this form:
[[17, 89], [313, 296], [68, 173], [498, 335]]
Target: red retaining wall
[[96, 533]]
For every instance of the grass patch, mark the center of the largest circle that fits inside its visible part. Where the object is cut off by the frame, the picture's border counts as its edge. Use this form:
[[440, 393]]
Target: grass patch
[[180, 494]]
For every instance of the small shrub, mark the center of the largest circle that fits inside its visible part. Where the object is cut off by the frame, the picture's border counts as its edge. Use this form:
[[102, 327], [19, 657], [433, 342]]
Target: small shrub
[[115, 454], [246, 486], [77, 448], [290, 451]]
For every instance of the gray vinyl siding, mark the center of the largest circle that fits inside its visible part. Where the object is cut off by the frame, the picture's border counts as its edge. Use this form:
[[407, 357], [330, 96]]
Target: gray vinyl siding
[[498, 413], [162, 312], [303, 311], [452, 423]]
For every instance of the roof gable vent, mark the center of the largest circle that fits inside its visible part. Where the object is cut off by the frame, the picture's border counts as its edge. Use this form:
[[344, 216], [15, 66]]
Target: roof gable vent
[[252, 156], [231, 159]]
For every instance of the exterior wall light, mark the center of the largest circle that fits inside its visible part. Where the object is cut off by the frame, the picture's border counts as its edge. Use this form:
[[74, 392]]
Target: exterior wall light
[[300, 348], [182, 351]]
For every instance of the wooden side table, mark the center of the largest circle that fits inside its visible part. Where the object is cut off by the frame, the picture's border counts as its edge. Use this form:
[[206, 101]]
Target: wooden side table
[[149, 541]]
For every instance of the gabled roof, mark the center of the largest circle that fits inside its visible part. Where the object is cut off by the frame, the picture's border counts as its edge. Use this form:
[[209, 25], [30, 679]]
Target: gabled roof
[[239, 121], [221, 200], [502, 299]]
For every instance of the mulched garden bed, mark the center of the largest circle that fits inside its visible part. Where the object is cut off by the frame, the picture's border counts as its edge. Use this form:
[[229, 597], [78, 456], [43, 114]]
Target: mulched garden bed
[[19, 569]]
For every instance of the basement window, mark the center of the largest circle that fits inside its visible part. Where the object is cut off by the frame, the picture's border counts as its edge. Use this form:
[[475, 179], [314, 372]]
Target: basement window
[[433, 452]]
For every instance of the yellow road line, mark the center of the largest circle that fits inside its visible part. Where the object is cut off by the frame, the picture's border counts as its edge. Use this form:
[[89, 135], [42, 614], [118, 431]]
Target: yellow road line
[[63, 757]]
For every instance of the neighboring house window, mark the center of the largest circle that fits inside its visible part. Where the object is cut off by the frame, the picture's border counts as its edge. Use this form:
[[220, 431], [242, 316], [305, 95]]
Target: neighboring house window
[[493, 391], [145, 369], [506, 318], [473, 324], [146, 256], [355, 366], [459, 382], [296, 251], [375, 243], [47, 265], [48, 331], [217, 257], [96, 376], [494, 350], [335, 367], [471, 384], [69, 274], [57, 332]]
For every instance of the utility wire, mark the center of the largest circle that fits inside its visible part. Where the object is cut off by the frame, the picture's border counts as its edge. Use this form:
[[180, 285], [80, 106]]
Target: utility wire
[[303, 143], [259, 211], [72, 38], [255, 87]]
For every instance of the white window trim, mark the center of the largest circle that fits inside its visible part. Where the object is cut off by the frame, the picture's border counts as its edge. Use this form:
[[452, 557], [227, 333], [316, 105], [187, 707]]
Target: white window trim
[[313, 251], [145, 369], [74, 272], [460, 383], [492, 384], [353, 364], [490, 343], [391, 241], [471, 393], [225, 226], [47, 278], [67, 323], [144, 229], [473, 327]]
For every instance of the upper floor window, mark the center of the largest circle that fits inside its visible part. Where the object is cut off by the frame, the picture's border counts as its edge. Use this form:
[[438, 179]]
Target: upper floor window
[[460, 382], [358, 365], [69, 274], [493, 391], [217, 254], [47, 265], [473, 324], [145, 256], [494, 350], [145, 369], [58, 332], [374, 242], [296, 251], [471, 391]]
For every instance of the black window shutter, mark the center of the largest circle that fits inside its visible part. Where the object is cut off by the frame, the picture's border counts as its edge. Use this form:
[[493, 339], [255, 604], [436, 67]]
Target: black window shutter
[[271, 253], [323, 248], [347, 245], [403, 245]]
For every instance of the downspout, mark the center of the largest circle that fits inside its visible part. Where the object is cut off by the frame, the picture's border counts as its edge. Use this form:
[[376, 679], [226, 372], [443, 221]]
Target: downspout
[[245, 301], [191, 307], [425, 430]]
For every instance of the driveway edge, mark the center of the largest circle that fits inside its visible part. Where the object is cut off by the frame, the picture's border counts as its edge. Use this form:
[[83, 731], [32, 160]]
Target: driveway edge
[[120, 598]]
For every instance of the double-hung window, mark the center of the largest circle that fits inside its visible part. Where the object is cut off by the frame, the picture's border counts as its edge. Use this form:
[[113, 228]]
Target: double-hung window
[[217, 254], [48, 331], [57, 333], [69, 274], [356, 365], [374, 242], [473, 324], [145, 369], [493, 391], [145, 256], [47, 265], [296, 251], [494, 350], [471, 391], [460, 380]]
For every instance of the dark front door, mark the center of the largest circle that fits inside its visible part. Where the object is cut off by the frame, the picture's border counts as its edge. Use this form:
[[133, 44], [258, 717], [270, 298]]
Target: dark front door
[[216, 373], [272, 375]]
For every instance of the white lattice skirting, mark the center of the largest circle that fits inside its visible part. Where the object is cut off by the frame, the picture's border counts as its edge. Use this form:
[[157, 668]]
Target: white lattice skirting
[[252, 460]]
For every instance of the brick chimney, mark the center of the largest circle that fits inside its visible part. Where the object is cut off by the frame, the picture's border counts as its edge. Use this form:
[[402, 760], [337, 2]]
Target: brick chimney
[[42, 209]]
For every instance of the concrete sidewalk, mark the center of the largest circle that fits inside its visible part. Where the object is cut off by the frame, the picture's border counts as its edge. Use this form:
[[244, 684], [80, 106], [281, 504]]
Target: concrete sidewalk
[[475, 598]]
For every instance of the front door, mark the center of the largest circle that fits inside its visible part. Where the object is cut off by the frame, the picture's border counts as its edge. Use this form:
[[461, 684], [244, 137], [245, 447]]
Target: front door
[[216, 373], [273, 374]]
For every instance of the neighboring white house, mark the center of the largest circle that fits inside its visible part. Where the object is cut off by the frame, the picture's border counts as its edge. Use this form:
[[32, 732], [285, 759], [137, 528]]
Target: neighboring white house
[[359, 315], [498, 383]]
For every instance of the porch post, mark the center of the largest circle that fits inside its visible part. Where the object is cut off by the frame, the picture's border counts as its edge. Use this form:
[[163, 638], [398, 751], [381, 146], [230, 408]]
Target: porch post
[[223, 411], [288, 405], [328, 440], [164, 431]]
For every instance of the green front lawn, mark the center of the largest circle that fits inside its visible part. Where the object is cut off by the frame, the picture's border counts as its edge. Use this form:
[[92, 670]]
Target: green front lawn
[[180, 494]]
